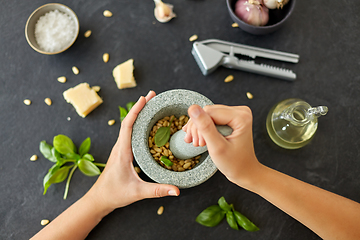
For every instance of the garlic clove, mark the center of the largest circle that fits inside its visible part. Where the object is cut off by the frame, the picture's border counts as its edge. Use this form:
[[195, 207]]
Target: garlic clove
[[163, 11]]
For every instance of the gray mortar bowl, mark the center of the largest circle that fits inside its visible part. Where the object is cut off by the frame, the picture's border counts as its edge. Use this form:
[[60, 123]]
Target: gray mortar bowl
[[174, 102]]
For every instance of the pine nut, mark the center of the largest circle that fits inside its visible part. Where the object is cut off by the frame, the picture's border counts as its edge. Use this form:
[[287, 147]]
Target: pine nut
[[229, 78], [160, 210], [193, 38], [235, 25], [152, 151], [182, 118], [158, 150], [62, 79], [107, 13], [111, 122], [249, 95], [137, 169], [48, 101], [197, 157], [187, 165], [106, 57], [44, 222], [75, 70], [87, 33], [27, 102], [33, 158]]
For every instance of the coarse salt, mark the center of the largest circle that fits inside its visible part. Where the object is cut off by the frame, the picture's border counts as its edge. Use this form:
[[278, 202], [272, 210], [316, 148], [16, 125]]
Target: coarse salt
[[55, 31]]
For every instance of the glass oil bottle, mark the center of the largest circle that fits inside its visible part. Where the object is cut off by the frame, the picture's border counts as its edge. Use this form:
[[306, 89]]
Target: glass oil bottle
[[292, 123]]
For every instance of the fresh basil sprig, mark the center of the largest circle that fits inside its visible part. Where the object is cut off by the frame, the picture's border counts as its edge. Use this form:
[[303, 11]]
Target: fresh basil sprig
[[125, 111], [67, 160], [162, 135], [213, 215]]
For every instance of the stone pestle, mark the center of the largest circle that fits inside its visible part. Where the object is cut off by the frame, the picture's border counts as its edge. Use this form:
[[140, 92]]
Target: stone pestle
[[183, 150]]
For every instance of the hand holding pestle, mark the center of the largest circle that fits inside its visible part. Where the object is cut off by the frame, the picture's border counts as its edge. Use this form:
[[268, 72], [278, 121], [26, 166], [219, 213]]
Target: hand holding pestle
[[183, 150]]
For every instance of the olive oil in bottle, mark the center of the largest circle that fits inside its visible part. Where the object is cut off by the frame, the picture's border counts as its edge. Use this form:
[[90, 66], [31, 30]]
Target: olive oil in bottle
[[292, 123]]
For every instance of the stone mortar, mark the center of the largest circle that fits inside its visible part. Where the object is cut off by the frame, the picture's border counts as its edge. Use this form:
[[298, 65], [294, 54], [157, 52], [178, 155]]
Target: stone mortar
[[174, 102]]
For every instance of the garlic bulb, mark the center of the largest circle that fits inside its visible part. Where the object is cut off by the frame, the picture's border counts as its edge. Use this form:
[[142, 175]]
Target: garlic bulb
[[252, 12], [273, 4], [163, 11]]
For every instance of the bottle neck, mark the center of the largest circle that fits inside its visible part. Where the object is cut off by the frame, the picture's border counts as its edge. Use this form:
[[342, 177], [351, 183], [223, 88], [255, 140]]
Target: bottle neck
[[298, 114]]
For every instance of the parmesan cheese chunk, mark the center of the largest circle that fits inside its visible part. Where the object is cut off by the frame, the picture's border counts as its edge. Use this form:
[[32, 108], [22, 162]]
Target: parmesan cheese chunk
[[123, 75], [83, 98]]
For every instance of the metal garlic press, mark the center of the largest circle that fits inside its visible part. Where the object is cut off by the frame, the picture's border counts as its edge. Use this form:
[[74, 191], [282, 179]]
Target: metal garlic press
[[212, 53]]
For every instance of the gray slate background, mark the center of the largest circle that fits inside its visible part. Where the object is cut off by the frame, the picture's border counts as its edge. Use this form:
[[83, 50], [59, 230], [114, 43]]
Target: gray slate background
[[324, 33]]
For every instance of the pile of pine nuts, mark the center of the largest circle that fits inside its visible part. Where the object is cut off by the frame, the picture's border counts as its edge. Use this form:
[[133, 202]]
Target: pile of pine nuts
[[156, 152]]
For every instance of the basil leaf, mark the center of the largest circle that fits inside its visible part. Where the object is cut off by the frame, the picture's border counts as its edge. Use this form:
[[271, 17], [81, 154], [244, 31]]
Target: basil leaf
[[123, 113], [129, 105], [88, 168], [45, 150], [230, 218], [64, 144], [88, 157], [166, 161], [224, 205], [162, 136], [72, 156], [211, 216], [245, 223], [56, 155], [85, 147], [56, 174]]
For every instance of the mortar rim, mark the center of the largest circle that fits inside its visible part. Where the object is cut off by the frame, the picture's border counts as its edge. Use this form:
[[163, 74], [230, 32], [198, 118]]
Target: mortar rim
[[190, 178]]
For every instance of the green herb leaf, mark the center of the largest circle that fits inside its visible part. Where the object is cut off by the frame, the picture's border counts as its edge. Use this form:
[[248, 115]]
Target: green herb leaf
[[56, 155], [162, 136], [211, 216], [224, 205], [45, 149], [85, 147], [123, 113], [129, 105], [72, 156], [88, 168], [56, 174], [230, 218], [88, 157], [64, 144], [245, 223], [166, 161]]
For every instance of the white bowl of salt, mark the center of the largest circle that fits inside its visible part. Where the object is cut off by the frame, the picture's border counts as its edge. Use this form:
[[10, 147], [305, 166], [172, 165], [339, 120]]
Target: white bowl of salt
[[52, 28]]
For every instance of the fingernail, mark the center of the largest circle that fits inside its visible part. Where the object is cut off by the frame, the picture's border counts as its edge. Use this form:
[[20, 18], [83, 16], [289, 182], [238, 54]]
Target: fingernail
[[195, 112], [172, 193], [139, 98], [148, 93]]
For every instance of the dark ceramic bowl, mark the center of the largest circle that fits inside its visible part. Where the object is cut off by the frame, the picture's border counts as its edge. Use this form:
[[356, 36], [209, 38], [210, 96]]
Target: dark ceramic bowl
[[277, 18]]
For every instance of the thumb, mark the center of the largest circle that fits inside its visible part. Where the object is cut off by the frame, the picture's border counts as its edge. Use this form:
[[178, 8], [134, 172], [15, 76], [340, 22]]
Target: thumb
[[156, 190], [206, 127]]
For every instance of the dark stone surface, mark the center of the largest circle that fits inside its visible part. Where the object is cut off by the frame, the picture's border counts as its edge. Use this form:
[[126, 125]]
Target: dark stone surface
[[324, 33]]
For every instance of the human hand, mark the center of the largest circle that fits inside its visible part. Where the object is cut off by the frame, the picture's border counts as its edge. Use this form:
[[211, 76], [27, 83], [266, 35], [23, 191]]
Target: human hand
[[119, 185], [233, 155]]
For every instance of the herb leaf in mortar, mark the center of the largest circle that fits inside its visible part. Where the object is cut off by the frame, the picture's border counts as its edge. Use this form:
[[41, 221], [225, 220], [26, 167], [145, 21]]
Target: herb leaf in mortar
[[65, 157], [162, 135], [166, 161]]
